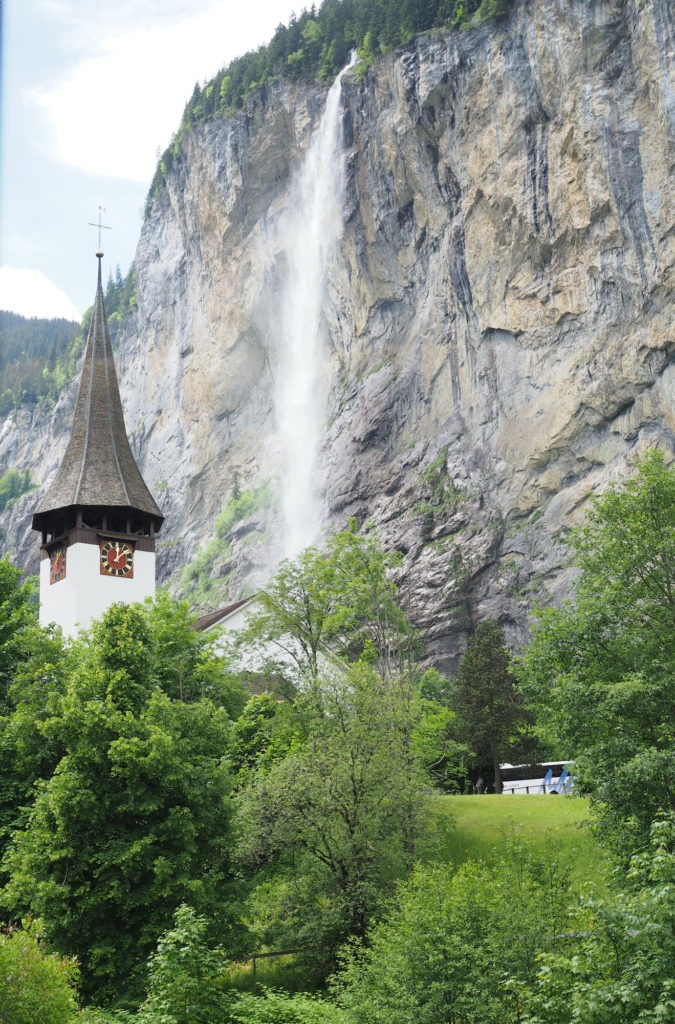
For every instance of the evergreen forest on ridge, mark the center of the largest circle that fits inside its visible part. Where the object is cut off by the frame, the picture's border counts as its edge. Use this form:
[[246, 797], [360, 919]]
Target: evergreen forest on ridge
[[315, 46], [39, 357]]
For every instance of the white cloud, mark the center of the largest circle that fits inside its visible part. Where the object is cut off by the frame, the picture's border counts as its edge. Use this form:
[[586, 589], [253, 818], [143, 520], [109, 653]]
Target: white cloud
[[30, 293], [116, 107], [91, 91]]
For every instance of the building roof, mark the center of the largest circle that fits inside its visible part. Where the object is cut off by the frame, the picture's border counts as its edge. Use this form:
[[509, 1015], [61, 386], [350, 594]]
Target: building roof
[[98, 468], [221, 615]]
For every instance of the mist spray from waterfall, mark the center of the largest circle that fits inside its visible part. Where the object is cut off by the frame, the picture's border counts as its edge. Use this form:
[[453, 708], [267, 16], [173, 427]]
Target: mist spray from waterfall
[[312, 229]]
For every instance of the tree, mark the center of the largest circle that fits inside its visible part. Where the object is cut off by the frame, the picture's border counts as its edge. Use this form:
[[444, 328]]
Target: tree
[[433, 738], [435, 747], [339, 602], [136, 816], [29, 657], [185, 976], [603, 667], [175, 658], [26, 755], [620, 968], [623, 616], [267, 729], [17, 612], [335, 812], [486, 698], [187, 665], [29, 350], [35, 985], [341, 808], [451, 939]]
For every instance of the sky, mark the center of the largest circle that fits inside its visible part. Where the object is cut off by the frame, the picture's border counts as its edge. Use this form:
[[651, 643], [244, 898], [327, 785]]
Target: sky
[[91, 95]]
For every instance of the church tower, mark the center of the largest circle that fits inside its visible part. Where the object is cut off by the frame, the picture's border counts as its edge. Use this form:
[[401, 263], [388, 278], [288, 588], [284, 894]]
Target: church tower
[[98, 520]]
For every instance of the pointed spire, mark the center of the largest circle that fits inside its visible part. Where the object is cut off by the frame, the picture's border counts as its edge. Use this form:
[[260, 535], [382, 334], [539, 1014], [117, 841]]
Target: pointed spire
[[98, 468]]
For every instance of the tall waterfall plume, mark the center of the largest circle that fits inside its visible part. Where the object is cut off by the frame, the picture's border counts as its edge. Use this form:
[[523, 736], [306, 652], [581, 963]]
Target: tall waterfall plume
[[313, 226]]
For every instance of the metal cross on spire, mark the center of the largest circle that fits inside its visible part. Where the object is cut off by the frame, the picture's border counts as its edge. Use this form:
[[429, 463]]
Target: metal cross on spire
[[100, 227]]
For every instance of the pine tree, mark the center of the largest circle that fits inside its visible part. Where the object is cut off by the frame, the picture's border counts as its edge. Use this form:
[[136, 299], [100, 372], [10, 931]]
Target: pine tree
[[487, 701]]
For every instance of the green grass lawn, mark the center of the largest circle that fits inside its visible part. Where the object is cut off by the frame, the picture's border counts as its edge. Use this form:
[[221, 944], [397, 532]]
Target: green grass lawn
[[481, 827], [461, 828]]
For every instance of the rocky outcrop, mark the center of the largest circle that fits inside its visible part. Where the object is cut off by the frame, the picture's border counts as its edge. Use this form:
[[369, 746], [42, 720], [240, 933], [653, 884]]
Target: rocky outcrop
[[499, 315]]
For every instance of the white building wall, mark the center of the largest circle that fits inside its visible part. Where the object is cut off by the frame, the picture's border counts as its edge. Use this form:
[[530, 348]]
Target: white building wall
[[237, 620], [84, 594]]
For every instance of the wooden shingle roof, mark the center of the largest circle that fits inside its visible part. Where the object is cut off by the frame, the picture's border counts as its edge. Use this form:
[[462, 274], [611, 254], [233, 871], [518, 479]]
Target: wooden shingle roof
[[98, 468]]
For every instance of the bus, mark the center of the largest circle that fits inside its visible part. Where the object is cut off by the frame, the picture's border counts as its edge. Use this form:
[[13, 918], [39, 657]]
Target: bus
[[553, 777]]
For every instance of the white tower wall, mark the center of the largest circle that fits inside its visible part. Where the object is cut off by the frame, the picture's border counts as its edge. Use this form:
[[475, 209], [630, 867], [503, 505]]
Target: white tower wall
[[85, 593]]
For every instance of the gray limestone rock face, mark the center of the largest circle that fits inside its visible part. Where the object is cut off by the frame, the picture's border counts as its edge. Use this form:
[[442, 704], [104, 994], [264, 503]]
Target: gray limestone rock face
[[498, 311]]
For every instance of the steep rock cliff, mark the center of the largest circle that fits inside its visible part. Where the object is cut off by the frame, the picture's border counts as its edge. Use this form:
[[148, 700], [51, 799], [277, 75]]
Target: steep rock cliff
[[498, 310]]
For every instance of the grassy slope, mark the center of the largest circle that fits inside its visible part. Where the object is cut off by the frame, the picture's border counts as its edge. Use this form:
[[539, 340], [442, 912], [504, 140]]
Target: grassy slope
[[479, 827]]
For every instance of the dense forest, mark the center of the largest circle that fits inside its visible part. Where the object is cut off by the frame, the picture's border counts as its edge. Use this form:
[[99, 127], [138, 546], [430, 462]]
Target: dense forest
[[172, 806], [29, 352], [314, 47], [38, 357]]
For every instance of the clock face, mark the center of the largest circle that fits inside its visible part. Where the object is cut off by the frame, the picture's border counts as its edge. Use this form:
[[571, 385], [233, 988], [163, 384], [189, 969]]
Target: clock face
[[117, 558], [57, 564]]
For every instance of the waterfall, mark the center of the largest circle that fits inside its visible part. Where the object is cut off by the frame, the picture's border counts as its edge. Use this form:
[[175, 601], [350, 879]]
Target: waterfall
[[312, 228]]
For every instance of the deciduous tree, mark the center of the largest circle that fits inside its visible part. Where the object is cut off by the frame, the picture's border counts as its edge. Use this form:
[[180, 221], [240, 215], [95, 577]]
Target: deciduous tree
[[339, 601], [451, 940], [26, 754], [186, 976], [136, 816], [17, 612], [603, 666], [35, 984], [336, 811], [619, 969]]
